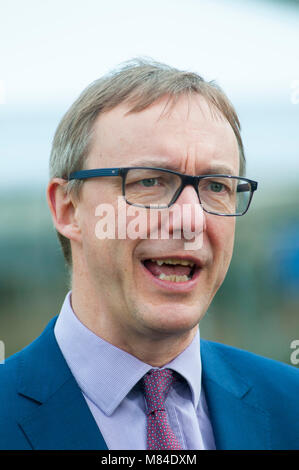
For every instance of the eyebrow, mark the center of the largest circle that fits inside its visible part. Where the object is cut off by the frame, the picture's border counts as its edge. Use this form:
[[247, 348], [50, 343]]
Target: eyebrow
[[156, 164], [220, 169]]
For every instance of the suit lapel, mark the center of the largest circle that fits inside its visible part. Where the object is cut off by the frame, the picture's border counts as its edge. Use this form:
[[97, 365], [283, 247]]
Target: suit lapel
[[61, 419], [63, 422], [238, 422]]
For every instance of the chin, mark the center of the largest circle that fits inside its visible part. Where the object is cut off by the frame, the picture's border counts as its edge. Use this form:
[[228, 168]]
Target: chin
[[171, 320]]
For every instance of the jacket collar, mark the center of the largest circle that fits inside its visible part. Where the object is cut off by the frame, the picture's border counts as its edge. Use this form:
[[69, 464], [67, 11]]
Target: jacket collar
[[45, 378], [238, 420]]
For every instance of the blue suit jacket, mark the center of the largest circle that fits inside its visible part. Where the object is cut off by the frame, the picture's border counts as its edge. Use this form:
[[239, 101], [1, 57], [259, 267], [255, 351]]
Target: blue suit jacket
[[253, 401]]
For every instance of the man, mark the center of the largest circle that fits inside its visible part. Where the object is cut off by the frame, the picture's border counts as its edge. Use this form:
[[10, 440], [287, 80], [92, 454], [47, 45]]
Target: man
[[123, 366]]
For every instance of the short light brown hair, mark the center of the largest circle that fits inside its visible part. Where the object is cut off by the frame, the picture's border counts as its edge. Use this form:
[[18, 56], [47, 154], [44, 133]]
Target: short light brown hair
[[139, 83]]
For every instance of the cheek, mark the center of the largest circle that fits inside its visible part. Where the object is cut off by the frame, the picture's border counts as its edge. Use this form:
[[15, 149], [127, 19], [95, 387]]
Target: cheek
[[221, 235], [108, 258]]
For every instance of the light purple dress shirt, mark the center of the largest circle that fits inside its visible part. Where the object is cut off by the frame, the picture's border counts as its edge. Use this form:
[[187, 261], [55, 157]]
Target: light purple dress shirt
[[109, 380]]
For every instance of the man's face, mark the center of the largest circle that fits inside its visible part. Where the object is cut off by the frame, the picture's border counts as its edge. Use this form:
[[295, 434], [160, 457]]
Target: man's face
[[129, 299]]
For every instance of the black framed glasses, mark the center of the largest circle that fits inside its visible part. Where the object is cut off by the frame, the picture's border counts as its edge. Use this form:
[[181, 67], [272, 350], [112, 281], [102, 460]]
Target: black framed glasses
[[159, 188]]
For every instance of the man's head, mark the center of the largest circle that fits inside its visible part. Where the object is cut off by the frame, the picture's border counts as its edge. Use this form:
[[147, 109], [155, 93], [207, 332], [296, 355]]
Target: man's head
[[138, 83], [144, 114]]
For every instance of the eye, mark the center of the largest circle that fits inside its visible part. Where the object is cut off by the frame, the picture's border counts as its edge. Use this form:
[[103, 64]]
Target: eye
[[216, 187], [149, 182]]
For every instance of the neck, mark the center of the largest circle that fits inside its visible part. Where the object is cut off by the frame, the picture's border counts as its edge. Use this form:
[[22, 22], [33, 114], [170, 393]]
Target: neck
[[114, 323], [158, 351], [151, 347]]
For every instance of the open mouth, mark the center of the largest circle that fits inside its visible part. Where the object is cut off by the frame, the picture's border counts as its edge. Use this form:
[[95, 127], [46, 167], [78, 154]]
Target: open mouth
[[172, 269]]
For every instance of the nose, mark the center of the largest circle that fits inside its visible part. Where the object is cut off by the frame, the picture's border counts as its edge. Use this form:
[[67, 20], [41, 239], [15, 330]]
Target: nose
[[187, 215]]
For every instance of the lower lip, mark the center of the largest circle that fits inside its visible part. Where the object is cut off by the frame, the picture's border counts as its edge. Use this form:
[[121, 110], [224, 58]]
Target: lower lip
[[183, 287]]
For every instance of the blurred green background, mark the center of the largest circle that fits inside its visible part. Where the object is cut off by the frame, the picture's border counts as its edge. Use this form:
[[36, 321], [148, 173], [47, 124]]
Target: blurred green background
[[51, 50]]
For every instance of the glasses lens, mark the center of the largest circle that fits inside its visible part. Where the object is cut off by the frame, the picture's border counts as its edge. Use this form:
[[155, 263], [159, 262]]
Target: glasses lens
[[146, 187], [224, 195]]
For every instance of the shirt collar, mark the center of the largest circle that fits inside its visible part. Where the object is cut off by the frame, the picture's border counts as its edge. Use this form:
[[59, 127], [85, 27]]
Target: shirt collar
[[107, 386]]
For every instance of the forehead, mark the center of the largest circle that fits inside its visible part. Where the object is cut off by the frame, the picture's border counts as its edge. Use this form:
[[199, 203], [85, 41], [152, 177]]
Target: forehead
[[191, 133]]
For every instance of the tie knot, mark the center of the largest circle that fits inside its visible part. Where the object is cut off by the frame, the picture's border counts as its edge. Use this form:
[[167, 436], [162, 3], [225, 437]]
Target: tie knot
[[156, 385]]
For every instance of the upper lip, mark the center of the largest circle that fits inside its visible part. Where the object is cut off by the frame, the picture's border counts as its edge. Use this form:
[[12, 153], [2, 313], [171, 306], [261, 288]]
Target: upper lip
[[197, 262]]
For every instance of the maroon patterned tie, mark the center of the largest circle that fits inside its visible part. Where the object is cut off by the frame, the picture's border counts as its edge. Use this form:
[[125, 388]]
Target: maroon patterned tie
[[159, 434]]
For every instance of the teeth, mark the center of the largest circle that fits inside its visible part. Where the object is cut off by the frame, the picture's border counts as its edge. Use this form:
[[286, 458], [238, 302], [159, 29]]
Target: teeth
[[174, 278], [183, 262]]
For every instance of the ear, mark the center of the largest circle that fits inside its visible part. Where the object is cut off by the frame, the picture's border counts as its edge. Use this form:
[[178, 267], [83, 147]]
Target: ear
[[63, 209]]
